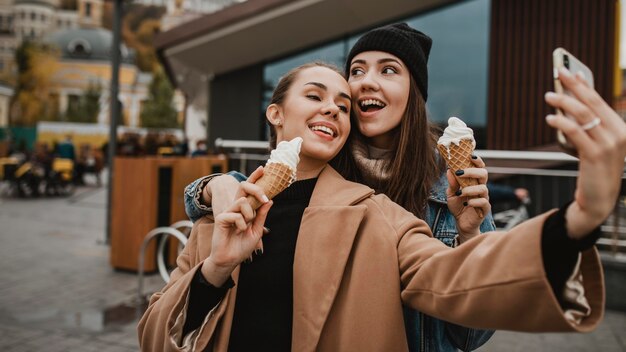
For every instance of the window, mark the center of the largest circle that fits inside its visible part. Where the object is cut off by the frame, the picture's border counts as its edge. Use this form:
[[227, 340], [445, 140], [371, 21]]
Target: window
[[87, 9], [72, 102], [59, 23], [33, 16], [457, 83]]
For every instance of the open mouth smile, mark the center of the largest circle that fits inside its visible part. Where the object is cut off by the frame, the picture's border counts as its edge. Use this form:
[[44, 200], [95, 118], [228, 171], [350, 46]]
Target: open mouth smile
[[369, 105], [323, 129]]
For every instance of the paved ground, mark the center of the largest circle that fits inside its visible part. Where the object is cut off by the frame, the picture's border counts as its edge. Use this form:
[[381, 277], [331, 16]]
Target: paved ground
[[58, 292]]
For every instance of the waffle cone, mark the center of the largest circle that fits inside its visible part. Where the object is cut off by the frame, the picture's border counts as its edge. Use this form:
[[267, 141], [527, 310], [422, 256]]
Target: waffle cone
[[459, 157], [276, 177]]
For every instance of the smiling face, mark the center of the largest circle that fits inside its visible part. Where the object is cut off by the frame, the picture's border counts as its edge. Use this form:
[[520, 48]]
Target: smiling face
[[380, 84], [316, 107]]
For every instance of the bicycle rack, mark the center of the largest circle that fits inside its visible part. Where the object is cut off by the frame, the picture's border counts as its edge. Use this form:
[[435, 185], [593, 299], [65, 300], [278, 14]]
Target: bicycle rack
[[167, 231], [161, 265]]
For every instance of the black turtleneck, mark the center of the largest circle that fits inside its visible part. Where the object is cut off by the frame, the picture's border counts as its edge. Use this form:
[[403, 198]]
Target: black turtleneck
[[263, 310]]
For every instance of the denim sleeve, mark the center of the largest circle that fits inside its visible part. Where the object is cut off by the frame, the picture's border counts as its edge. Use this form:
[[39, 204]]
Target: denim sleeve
[[467, 339], [193, 208], [463, 338], [488, 224]]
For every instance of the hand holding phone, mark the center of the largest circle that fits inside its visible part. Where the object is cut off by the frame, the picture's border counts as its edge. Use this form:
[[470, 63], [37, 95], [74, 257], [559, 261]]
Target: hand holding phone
[[562, 58]]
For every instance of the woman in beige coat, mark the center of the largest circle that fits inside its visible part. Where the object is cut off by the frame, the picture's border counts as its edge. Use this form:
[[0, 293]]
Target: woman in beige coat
[[358, 256]]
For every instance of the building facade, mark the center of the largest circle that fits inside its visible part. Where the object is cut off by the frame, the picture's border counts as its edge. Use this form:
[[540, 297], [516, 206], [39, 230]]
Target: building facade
[[85, 61], [490, 62], [34, 19]]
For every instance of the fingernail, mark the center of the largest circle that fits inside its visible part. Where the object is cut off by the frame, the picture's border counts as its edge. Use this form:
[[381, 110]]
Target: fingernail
[[459, 172], [474, 156], [266, 230], [458, 193], [265, 199], [550, 95], [550, 117], [464, 204]]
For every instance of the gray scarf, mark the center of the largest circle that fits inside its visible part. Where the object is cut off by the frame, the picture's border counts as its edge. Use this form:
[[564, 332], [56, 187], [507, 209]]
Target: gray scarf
[[372, 162]]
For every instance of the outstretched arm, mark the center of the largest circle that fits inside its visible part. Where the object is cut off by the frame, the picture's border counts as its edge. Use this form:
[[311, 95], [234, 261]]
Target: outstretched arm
[[599, 135]]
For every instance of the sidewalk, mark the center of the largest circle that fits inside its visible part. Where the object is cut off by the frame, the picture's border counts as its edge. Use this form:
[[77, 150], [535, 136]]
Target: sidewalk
[[59, 293]]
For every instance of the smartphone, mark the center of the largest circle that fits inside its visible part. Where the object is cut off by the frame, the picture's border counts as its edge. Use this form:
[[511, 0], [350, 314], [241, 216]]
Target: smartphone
[[562, 58]]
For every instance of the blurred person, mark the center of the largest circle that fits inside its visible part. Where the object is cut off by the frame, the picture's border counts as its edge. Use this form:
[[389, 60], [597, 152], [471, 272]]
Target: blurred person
[[181, 147], [339, 261], [88, 161], [504, 193], [393, 150], [201, 149], [65, 149], [151, 143]]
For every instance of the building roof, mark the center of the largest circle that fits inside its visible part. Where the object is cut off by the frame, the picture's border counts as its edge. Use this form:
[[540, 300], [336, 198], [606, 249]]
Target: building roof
[[92, 44], [261, 30]]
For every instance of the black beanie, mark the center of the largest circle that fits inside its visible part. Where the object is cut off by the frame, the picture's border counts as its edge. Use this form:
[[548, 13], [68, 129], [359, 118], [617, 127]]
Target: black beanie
[[409, 45]]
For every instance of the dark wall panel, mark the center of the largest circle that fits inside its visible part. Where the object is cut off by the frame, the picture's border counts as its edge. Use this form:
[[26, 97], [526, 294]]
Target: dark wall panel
[[234, 107], [522, 37]]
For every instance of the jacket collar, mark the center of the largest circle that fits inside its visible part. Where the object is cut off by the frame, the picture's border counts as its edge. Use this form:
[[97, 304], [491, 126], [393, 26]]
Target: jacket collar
[[327, 232], [333, 190]]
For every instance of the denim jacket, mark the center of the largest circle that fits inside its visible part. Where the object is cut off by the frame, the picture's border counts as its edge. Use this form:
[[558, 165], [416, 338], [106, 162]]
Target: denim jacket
[[442, 336]]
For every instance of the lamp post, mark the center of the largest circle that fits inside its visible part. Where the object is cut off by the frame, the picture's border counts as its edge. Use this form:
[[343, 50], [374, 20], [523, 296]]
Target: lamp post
[[114, 107]]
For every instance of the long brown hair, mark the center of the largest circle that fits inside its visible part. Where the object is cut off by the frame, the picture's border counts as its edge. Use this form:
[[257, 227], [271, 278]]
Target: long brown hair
[[414, 166], [285, 82]]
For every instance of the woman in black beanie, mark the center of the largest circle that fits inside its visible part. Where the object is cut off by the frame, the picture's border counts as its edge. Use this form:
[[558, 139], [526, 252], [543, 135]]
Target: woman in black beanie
[[393, 151]]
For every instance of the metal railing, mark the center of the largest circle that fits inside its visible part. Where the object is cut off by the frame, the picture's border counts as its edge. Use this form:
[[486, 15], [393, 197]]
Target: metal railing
[[544, 183]]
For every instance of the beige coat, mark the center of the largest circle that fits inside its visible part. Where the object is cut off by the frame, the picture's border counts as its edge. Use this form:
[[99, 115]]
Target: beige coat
[[358, 257]]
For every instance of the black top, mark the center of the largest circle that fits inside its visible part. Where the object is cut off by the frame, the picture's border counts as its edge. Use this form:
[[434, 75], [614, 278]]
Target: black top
[[263, 312], [262, 320]]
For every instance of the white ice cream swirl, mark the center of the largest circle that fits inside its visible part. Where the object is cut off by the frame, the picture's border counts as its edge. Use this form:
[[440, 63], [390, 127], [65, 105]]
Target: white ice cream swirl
[[287, 153], [456, 131]]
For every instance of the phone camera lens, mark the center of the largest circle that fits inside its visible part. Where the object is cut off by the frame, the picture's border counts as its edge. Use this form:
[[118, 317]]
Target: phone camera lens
[[566, 61]]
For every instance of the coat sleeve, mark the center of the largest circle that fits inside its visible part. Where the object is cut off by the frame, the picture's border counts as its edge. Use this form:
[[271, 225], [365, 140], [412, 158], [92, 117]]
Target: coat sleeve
[[494, 281], [160, 328]]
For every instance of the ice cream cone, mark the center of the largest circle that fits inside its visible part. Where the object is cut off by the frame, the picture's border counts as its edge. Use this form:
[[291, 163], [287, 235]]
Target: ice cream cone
[[459, 157], [276, 177]]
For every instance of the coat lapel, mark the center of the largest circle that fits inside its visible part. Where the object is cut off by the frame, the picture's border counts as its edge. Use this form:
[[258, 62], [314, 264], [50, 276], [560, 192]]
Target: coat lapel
[[327, 232]]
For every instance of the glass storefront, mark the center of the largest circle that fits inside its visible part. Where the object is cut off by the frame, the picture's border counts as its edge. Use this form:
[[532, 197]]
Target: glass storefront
[[457, 67]]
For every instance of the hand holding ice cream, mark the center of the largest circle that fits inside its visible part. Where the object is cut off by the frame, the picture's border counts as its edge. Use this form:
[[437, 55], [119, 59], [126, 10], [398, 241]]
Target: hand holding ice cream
[[279, 171], [456, 146]]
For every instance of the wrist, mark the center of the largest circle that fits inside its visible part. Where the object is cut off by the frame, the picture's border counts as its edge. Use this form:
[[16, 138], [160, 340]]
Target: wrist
[[465, 236], [216, 274], [578, 223]]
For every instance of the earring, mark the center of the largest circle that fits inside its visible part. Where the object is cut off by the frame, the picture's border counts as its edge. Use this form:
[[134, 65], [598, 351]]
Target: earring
[[278, 122]]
